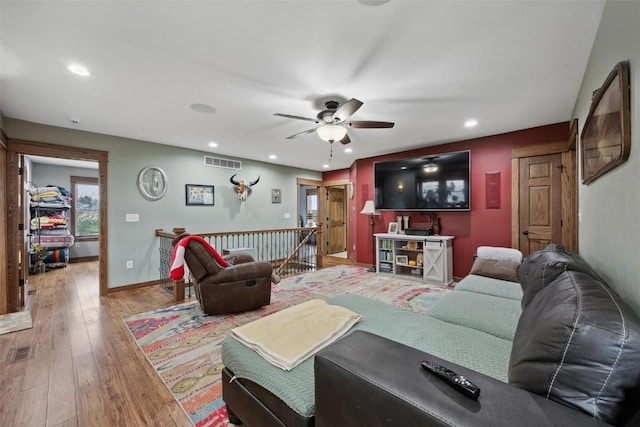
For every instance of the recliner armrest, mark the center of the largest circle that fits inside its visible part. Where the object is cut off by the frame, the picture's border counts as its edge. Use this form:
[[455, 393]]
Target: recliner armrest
[[246, 271], [367, 380]]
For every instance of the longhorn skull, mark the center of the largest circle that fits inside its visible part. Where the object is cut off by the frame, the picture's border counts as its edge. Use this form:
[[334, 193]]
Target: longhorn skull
[[243, 188]]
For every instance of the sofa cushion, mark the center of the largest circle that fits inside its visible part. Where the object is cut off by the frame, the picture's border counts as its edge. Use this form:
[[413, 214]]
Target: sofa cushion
[[503, 270], [542, 267], [499, 253], [577, 343], [489, 286], [493, 315], [200, 261]]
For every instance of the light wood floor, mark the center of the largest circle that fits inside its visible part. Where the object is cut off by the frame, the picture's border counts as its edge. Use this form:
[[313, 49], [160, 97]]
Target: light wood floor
[[86, 369]]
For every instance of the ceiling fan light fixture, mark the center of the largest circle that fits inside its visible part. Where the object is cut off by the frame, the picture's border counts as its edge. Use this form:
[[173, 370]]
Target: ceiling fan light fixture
[[331, 133], [430, 168]]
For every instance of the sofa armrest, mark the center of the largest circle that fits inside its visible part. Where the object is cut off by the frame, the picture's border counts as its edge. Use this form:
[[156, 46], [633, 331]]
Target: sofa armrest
[[367, 380], [241, 272]]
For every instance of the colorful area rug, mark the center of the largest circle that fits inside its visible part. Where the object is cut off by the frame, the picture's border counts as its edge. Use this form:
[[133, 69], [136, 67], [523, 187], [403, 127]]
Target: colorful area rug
[[14, 322], [183, 345]]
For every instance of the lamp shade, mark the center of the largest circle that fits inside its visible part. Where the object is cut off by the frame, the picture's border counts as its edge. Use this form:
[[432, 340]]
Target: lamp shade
[[369, 208], [331, 133]]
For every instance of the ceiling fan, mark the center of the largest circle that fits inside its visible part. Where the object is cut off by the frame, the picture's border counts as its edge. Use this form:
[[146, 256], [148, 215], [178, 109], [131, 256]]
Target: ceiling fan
[[333, 121]]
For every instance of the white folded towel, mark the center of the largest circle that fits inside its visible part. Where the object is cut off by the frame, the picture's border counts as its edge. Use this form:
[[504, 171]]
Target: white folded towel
[[290, 336]]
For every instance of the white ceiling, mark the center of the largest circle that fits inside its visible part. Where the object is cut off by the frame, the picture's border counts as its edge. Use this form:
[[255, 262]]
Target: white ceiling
[[428, 66]]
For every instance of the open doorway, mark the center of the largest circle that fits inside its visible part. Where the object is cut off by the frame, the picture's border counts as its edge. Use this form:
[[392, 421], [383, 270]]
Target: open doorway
[[75, 236], [331, 216], [308, 206], [16, 258]]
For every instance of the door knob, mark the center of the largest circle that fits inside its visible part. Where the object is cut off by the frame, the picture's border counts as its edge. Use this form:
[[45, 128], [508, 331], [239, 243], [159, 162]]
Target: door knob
[[525, 232]]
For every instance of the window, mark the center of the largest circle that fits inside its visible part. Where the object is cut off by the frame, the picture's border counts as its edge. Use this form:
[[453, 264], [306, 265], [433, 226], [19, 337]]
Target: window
[[85, 214], [429, 193], [455, 193]]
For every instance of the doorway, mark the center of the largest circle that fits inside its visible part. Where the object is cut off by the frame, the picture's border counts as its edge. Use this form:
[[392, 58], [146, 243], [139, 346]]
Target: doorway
[[337, 221], [544, 196], [16, 148], [332, 215]]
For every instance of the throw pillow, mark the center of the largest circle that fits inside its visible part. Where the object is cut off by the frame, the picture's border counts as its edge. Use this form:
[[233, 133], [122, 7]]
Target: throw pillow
[[499, 253], [503, 270]]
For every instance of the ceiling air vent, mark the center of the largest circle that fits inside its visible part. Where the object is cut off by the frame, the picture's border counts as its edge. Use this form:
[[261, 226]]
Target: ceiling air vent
[[218, 162]]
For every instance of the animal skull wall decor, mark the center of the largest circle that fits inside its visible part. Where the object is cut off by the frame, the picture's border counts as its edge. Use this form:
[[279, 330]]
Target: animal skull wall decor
[[243, 188]]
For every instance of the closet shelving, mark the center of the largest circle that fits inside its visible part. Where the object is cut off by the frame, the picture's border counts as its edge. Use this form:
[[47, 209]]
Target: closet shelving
[[49, 226]]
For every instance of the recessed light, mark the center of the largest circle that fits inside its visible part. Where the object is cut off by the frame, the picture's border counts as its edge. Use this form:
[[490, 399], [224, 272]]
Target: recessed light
[[326, 166], [213, 144], [470, 123], [273, 156], [78, 69], [348, 150], [203, 108]]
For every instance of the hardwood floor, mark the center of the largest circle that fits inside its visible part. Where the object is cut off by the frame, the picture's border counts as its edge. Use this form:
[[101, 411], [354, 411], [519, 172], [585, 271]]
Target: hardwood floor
[[86, 369]]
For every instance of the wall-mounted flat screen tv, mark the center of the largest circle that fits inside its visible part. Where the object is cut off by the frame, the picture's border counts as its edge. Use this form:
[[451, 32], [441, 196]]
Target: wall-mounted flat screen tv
[[438, 182]]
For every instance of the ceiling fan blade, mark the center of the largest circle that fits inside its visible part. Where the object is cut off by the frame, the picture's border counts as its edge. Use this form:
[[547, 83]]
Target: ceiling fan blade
[[301, 133], [289, 116], [345, 139], [370, 124], [346, 110]]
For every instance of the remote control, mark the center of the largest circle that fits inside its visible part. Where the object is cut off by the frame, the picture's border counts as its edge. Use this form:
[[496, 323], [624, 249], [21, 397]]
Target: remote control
[[458, 382]]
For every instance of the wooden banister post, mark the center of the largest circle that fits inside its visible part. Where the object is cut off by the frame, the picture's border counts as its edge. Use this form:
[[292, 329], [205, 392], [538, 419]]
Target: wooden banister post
[[320, 245]]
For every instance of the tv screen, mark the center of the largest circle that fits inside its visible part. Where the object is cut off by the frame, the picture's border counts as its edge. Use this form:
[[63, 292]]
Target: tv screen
[[438, 182]]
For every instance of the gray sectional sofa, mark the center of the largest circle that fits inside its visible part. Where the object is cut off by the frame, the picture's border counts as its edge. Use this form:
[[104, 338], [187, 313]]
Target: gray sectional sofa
[[558, 348]]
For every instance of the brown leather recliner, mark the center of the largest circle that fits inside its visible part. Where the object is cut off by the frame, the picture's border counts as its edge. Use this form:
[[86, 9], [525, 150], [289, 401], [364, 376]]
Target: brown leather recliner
[[242, 287]]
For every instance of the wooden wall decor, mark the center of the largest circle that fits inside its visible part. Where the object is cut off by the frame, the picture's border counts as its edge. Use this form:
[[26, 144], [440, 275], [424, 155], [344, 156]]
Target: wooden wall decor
[[606, 137]]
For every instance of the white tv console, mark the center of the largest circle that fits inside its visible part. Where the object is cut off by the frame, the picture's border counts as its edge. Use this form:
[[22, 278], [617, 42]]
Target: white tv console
[[425, 258]]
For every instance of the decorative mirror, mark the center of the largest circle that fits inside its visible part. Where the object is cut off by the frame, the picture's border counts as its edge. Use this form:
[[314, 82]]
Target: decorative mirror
[[152, 183]]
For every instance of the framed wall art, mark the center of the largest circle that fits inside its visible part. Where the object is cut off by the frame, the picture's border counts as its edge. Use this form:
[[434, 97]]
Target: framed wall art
[[402, 259], [276, 195], [199, 195], [606, 135]]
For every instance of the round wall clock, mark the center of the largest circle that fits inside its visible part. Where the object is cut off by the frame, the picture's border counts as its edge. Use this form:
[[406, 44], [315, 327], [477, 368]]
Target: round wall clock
[[152, 183]]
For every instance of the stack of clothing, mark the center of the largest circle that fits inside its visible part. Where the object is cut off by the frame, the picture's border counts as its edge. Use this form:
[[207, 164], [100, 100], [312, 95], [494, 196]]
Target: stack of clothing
[[51, 197], [50, 220]]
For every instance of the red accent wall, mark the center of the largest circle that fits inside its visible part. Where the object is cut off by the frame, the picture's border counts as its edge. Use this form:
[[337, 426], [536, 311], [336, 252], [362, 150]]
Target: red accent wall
[[478, 227], [335, 175]]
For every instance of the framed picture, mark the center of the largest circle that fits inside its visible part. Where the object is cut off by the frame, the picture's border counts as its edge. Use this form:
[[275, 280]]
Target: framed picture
[[276, 195], [606, 136], [200, 195], [393, 228], [402, 259]]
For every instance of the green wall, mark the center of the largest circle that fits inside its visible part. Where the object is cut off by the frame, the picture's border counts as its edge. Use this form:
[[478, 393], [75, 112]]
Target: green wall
[[137, 241], [609, 228]]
